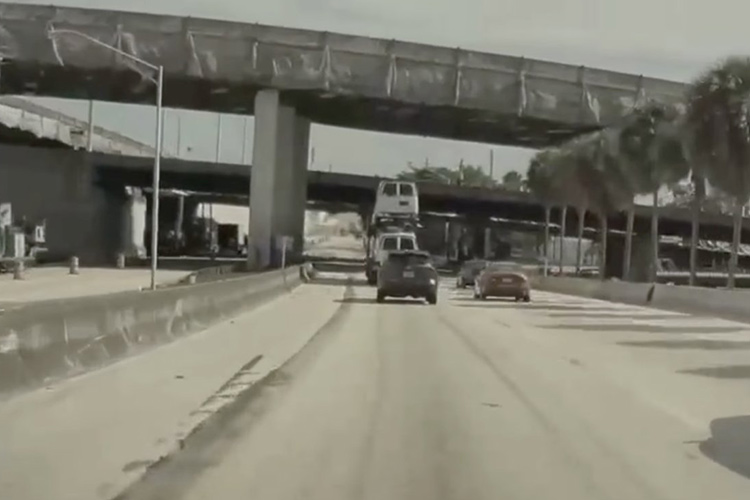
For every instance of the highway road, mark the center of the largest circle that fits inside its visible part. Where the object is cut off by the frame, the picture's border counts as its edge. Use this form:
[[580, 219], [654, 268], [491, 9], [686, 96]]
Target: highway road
[[562, 398]]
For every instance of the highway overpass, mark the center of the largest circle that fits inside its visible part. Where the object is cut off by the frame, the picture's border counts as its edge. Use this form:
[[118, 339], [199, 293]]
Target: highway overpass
[[289, 78], [359, 191]]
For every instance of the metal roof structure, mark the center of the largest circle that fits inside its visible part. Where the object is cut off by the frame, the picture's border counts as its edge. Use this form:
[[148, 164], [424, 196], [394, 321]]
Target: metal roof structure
[[19, 113]]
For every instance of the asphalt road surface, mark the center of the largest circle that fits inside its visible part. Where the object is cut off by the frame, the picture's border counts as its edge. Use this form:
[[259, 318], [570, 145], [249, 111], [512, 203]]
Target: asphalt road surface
[[562, 398]]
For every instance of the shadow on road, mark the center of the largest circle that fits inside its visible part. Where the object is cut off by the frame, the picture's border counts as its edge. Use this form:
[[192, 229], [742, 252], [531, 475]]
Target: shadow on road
[[536, 306], [633, 327], [343, 281], [724, 372], [370, 300], [623, 314], [708, 345], [489, 299], [729, 444]]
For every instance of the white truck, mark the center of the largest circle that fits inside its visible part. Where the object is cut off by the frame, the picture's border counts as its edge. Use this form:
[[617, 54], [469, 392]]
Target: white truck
[[394, 220]]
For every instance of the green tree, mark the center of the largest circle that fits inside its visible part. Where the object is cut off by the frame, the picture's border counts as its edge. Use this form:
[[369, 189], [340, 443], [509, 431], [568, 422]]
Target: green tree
[[651, 149], [513, 181], [439, 175], [541, 184], [603, 178], [464, 175], [717, 125]]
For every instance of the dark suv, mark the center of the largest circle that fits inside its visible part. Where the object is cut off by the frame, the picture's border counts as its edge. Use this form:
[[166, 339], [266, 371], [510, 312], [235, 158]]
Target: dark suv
[[408, 273]]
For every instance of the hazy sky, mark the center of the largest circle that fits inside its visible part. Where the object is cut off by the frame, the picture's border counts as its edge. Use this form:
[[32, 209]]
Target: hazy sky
[[672, 39]]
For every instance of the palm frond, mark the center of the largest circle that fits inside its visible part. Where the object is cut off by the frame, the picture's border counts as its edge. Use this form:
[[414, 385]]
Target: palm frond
[[718, 113]]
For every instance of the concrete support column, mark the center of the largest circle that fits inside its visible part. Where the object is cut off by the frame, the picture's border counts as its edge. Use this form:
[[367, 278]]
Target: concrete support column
[[487, 243], [300, 159], [642, 261], [277, 198], [134, 224], [180, 222]]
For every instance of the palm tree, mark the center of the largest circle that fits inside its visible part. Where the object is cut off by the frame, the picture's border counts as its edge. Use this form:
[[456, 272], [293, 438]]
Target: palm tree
[[717, 123], [541, 183], [602, 176], [699, 196], [568, 171], [651, 148]]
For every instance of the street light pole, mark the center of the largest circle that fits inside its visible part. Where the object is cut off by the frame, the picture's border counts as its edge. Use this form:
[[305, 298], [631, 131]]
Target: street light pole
[[159, 81], [156, 180]]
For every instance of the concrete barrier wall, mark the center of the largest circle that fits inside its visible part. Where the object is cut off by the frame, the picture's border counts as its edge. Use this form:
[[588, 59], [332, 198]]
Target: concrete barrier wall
[[214, 273], [729, 304], [52, 339]]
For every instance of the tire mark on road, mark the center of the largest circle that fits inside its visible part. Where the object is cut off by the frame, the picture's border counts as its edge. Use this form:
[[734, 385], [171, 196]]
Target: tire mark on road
[[598, 490], [173, 474]]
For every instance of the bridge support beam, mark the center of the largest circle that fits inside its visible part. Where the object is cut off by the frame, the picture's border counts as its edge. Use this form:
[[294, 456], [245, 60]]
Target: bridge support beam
[[278, 192]]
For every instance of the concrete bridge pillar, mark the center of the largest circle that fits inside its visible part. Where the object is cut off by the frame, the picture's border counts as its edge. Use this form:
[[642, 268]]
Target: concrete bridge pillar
[[134, 224], [278, 192], [300, 160], [642, 260]]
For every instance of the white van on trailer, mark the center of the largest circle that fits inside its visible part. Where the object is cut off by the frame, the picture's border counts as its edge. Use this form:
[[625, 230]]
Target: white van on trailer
[[396, 198]]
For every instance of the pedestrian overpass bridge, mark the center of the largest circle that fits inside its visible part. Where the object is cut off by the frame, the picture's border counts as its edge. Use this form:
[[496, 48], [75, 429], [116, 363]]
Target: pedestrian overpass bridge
[[329, 78]]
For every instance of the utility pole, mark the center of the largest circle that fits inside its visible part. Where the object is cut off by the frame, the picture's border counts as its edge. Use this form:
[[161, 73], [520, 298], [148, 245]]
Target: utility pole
[[90, 137], [492, 164], [179, 135]]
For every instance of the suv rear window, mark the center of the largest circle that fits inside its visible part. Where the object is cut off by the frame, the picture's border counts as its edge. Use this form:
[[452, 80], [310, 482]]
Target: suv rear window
[[407, 244], [390, 243]]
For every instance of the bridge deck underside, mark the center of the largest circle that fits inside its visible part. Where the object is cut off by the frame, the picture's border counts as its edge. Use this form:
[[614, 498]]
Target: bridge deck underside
[[356, 112], [432, 198], [335, 79]]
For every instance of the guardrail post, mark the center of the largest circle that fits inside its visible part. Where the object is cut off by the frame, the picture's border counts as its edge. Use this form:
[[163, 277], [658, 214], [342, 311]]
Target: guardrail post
[[120, 260], [18, 270], [73, 265]]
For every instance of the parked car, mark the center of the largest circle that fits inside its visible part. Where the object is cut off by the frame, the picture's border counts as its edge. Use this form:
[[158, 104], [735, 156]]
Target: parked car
[[408, 273], [502, 279]]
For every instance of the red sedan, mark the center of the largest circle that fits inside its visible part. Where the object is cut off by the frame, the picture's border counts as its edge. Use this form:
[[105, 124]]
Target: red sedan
[[503, 279]]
